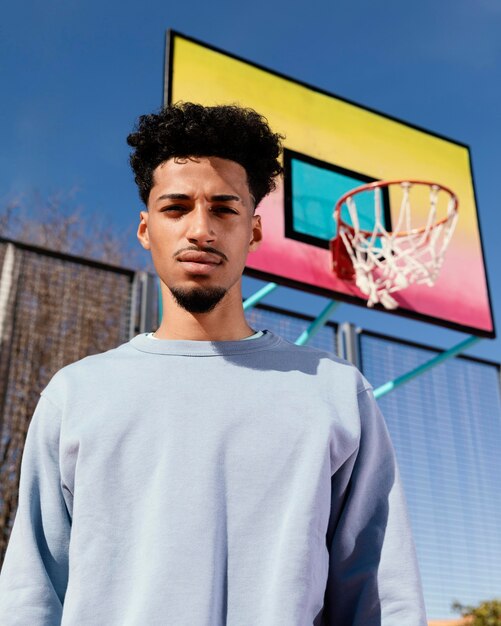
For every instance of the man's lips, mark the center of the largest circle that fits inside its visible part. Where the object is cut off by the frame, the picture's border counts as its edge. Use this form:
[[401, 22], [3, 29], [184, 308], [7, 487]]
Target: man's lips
[[199, 262], [199, 257]]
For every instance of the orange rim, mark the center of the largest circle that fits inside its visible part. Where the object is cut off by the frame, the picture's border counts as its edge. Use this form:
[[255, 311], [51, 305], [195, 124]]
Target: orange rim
[[387, 183]]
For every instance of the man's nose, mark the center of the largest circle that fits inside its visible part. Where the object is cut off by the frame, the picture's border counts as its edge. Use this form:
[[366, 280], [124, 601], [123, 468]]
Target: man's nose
[[200, 226]]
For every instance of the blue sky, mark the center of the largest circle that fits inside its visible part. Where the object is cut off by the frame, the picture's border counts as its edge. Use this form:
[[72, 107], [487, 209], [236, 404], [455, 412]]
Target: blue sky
[[75, 76]]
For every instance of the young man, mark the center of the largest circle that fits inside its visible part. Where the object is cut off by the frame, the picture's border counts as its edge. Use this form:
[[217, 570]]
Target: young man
[[208, 474]]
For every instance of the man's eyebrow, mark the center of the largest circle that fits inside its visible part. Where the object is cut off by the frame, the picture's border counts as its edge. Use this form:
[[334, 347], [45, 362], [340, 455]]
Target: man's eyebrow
[[173, 196], [224, 197], [220, 197]]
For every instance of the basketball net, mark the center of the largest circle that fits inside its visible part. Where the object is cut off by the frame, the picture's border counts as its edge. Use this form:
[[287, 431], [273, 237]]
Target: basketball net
[[382, 262]]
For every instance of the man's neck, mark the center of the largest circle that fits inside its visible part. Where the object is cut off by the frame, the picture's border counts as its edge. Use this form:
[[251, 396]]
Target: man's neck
[[226, 322]]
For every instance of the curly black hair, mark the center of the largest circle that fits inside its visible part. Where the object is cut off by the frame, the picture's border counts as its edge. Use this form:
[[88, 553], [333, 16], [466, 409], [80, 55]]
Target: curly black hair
[[186, 129]]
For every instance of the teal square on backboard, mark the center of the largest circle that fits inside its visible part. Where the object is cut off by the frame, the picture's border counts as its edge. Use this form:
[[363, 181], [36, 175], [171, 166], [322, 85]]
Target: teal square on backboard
[[312, 189]]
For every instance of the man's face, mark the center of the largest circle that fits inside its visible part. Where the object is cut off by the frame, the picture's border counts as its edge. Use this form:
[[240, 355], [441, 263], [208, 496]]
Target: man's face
[[200, 227]]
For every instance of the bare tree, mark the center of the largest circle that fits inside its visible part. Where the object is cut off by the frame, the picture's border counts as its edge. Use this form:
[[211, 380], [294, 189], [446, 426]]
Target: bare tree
[[58, 223]]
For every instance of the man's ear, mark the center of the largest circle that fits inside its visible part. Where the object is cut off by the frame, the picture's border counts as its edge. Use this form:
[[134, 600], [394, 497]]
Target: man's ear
[[142, 230], [257, 233]]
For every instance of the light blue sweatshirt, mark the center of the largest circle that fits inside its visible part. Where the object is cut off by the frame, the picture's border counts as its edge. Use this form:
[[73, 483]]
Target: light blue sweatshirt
[[198, 483]]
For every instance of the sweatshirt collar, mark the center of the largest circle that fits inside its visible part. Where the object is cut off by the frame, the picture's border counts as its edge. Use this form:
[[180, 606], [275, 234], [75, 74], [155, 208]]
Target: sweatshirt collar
[[190, 347]]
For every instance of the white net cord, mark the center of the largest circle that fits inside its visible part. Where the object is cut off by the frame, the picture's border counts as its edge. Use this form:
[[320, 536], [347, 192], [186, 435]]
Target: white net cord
[[385, 262]]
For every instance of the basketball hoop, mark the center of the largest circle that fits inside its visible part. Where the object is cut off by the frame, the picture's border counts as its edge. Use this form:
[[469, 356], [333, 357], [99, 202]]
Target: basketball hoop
[[382, 262]]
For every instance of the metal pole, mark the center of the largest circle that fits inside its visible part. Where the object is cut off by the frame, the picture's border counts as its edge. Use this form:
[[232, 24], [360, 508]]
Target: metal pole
[[159, 301], [421, 369], [348, 343], [259, 295], [317, 324], [135, 298]]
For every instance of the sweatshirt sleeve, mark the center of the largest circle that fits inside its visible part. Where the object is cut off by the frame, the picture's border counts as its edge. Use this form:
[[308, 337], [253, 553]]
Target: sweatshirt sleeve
[[373, 577], [35, 571]]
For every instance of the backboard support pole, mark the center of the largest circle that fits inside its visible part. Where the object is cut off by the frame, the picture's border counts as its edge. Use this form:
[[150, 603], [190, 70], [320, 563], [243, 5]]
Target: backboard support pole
[[259, 295], [421, 369], [317, 324]]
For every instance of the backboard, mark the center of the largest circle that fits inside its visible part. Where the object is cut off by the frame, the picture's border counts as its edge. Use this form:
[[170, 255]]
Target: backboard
[[331, 146]]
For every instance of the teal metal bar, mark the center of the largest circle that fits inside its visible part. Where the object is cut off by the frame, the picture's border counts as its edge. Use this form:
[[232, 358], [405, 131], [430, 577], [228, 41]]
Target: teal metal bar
[[440, 358], [317, 324], [259, 295]]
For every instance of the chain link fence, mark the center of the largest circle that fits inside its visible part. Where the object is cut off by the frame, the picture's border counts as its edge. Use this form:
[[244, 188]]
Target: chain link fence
[[54, 309]]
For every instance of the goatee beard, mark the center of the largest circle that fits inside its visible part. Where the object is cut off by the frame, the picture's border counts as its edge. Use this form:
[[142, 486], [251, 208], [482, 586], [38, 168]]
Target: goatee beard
[[198, 299]]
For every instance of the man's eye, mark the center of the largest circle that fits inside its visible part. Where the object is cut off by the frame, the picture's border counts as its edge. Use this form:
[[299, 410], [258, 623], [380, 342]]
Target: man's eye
[[224, 209], [172, 208]]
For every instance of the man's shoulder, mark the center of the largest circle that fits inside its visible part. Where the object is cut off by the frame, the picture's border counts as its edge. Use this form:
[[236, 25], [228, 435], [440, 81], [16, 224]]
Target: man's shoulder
[[308, 350], [325, 364], [89, 372]]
